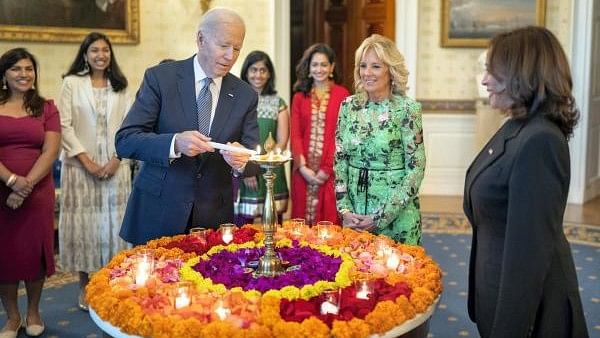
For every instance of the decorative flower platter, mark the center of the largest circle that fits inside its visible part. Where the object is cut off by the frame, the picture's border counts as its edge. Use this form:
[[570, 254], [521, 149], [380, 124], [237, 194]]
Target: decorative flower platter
[[337, 282]]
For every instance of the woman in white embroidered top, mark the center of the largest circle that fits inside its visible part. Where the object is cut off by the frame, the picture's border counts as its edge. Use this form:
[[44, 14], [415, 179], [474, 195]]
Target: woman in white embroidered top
[[95, 183]]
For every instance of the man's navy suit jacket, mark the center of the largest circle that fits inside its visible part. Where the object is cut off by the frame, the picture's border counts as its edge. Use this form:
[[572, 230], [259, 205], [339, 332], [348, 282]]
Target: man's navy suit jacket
[[165, 192]]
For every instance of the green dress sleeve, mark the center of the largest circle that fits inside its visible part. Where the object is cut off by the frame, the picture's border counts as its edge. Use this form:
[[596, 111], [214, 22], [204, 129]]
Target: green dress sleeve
[[340, 166], [414, 164]]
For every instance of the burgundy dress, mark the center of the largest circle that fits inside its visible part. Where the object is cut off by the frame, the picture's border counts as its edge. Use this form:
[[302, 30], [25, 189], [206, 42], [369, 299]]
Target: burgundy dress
[[27, 233]]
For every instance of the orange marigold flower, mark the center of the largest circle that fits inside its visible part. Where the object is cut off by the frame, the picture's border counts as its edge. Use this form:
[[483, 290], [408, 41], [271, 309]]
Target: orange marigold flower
[[355, 328], [314, 327], [380, 320], [288, 330]]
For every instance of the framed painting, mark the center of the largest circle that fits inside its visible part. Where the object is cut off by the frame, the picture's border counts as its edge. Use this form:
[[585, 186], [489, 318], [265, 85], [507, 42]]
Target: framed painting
[[69, 20], [471, 23]]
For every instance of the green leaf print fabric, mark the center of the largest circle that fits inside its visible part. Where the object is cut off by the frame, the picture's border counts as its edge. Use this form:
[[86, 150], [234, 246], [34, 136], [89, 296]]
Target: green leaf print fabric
[[380, 162]]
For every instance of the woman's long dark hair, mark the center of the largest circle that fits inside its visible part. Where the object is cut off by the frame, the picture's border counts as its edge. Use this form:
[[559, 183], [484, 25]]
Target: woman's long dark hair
[[33, 102], [303, 81], [254, 57], [534, 68], [117, 79]]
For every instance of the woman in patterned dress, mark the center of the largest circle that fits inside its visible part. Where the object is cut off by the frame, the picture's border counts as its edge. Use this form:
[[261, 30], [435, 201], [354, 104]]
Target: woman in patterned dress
[[380, 157], [95, 183], [29, 144], [315, 107], [273, 121]]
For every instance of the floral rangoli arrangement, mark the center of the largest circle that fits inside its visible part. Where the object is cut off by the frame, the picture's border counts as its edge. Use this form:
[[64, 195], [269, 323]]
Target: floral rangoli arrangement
[[337, 282]]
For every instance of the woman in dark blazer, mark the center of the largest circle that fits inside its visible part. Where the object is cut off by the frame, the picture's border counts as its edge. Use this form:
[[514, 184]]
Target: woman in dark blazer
[[522, 280]]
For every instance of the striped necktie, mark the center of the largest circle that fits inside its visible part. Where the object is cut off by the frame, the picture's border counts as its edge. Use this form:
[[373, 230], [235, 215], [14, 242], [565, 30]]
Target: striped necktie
[[204, 107]]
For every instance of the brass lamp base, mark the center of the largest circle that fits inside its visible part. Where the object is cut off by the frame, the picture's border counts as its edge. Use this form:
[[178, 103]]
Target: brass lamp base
[[269, 267]]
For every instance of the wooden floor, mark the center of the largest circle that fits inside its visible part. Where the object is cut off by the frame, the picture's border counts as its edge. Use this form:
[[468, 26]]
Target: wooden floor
[[589, 213]]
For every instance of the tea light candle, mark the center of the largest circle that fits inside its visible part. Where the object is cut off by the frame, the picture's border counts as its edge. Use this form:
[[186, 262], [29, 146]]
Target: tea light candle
[[222, 311], [329, 307], [182, 300], [142, 273], [324, 234], [227, 236], [364, 291], [227, 232], [392, 262]]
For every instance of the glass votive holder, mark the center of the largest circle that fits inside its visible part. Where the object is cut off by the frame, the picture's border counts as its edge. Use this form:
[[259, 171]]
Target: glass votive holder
[[183, 294], [199, 232], [221, 309], [324, 230], [392, 260], [331, 302], [144, 266], [383, 247], [298, 227], [227, 232], [364, 286]]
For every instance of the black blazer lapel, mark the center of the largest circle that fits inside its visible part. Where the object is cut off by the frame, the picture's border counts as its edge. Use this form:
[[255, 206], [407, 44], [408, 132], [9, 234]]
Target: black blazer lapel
[[187, 93], [488, 155], [226, 99]]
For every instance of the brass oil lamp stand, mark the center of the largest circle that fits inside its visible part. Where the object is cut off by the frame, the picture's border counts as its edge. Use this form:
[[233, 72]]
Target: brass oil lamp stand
[[270, 265]]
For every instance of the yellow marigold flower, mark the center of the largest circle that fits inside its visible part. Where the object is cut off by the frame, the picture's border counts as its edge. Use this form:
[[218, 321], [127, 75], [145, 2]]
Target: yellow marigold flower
[[308, 291], [290, 292]]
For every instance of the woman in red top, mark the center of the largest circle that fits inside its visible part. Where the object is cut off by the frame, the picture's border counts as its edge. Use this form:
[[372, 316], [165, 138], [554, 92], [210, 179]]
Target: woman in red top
[[315, 107], [29, 143]]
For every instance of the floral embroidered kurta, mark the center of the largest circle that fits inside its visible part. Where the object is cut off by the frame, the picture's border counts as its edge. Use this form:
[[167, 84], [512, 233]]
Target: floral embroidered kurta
[[301, 121], [380, 162]]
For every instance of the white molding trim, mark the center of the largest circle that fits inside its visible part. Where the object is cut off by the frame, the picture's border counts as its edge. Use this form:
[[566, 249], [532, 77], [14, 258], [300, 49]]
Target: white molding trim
[[581, 30], [281, 55], [407, 32]]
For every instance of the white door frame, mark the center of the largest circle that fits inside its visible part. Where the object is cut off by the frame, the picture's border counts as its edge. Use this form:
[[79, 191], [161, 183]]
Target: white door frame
[[581, 44]]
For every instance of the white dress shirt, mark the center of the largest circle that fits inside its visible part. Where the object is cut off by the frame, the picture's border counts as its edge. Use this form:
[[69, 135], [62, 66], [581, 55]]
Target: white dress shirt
[[215, 89]]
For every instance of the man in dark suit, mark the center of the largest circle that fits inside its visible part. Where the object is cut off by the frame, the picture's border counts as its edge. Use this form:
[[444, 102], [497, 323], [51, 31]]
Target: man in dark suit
[[180, 107]]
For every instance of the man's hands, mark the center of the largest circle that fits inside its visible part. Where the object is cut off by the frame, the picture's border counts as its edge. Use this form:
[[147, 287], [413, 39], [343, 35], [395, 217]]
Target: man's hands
[[236, 160], [191, 143]]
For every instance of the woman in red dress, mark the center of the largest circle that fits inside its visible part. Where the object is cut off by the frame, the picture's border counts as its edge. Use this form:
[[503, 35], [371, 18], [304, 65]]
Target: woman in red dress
[[314, 116], [29, 144]]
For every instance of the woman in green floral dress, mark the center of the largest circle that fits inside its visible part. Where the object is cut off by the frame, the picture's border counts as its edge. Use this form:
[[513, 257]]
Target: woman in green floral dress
[[380, 157], [273, 124]]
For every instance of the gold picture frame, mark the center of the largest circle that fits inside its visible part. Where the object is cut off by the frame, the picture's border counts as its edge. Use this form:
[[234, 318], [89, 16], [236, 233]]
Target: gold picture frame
[[472, 23], [69, 21]]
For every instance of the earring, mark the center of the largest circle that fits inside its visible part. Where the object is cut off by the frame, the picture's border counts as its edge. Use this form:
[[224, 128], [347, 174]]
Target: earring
[[4, 87], [331, 75], [86, 67]]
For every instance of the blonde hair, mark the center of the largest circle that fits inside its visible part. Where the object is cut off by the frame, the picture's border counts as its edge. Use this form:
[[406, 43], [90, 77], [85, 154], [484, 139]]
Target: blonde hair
[[388, 54]]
